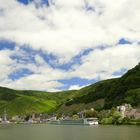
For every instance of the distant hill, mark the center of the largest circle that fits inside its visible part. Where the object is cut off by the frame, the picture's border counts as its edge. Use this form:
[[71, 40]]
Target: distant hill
[[108, 93], [25, 102], [102, 95]]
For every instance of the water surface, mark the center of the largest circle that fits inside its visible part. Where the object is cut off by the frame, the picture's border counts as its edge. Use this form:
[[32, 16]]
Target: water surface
[[68, 132]]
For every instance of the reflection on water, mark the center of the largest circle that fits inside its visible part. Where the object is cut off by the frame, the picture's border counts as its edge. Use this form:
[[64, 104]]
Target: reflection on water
[[70, 132]]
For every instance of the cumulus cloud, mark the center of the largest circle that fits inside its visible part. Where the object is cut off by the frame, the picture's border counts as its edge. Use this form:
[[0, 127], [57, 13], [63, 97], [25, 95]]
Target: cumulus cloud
[[6, 64], [75, 87], [102, 63], [43, 77], [64, 29]]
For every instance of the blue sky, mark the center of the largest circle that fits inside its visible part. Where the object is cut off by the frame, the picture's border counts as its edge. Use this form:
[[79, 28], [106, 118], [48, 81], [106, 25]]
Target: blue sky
[[72, 45], [26, 2]]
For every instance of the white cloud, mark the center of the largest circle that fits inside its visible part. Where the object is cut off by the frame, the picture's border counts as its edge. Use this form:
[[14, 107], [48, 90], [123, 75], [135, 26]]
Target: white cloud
[[103, 63], [75, 87], [43, 78], [6, 64], [34, 82], [39, 60], [65, 29], [98, 64]]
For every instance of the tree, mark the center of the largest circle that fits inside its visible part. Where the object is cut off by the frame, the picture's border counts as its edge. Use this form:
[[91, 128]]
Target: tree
[[107, 120], [91, 113], [114, 117], [126, 120], [117, 117], [75, 117], [59, 115], [103, 114]]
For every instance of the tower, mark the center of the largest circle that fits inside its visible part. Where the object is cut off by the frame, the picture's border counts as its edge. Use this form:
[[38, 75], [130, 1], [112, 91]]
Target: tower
[[5, 116]]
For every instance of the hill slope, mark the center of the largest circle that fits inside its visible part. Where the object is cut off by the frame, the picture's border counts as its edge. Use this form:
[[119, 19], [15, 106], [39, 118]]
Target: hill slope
[[104, 94], [109, 93], [24, 102]]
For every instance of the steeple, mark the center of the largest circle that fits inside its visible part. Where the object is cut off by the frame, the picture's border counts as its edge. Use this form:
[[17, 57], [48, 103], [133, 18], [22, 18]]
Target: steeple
[[5, 116]]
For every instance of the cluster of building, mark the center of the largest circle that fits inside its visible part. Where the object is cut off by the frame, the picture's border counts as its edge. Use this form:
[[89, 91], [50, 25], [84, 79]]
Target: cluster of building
[[128, 111], [32, 118], [52, 119]]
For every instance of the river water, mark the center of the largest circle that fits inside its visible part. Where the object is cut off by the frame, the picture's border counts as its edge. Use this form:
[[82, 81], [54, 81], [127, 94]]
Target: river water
[[68, 132]]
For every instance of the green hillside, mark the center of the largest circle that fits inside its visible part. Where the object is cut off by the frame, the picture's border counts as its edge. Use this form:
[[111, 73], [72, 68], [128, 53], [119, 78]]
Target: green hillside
[[24, 102], [108, 93], [102, 95]]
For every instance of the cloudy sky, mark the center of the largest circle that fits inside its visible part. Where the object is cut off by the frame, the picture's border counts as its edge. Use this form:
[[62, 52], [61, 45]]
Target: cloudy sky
[[67, 44]]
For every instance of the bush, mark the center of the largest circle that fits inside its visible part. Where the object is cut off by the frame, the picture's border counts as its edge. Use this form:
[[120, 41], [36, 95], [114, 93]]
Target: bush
[[91, 113], [107, 120], [126, 120], [117, 118], [114, 117], [75, 117]]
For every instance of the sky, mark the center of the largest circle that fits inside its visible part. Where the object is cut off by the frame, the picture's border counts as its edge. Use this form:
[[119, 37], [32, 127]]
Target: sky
[[54, 45]]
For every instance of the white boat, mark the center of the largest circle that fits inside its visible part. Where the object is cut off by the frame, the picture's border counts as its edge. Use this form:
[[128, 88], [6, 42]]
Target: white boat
[[84, 121], [91, 121]]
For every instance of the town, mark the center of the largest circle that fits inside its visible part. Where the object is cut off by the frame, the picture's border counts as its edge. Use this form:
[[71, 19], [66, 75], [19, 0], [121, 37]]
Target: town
[[123, 114]]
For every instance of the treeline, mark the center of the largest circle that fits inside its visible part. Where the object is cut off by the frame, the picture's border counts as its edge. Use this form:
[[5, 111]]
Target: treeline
[[114, 91]]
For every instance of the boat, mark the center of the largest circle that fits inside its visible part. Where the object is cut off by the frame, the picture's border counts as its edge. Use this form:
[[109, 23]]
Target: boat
[[82, 121], [91, 121]]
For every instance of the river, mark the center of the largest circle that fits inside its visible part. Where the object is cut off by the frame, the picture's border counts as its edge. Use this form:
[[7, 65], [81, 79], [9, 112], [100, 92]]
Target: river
[[68, 132]]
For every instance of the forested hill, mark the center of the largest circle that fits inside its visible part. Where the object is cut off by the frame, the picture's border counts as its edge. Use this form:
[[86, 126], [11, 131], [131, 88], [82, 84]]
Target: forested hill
[[102, 95], [112, 92]]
